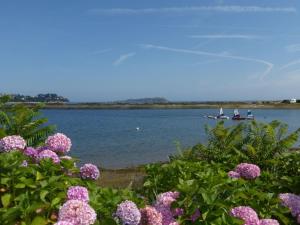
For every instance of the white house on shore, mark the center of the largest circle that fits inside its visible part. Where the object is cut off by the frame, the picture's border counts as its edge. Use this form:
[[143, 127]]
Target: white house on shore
[[293, 100]]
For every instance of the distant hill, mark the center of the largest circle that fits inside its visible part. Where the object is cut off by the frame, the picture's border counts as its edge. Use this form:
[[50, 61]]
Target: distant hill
[[156, 100]]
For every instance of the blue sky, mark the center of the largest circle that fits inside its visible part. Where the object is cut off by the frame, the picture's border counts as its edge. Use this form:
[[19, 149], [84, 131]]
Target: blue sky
[[181, 50]]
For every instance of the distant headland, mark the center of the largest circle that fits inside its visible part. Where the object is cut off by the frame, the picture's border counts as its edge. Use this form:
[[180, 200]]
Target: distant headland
[[49, 97], [54, 101]]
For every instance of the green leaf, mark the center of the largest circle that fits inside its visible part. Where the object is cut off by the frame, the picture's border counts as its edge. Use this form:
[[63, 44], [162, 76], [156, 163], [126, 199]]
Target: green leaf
[[39, 176], [38, 220], [5, 199], [55, 201], [43, 195], [20, 185]]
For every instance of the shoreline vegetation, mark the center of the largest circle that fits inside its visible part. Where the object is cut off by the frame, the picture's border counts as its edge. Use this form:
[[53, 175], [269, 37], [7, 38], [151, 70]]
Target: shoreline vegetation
[[171, 105], [132, 176]]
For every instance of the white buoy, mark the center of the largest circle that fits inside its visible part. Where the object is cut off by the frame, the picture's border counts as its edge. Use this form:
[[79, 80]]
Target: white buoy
[[137, 128]]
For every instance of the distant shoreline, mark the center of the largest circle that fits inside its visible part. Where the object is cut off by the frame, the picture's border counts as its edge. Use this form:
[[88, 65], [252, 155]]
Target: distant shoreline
[[170, 106]]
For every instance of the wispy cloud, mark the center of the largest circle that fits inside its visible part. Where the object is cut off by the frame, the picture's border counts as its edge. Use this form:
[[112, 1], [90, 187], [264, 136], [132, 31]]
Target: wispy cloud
[[101, 51], [192, 9], [207, 62], [293, 48], [123, 58], [225, 36], [269, 65], [292, 63]]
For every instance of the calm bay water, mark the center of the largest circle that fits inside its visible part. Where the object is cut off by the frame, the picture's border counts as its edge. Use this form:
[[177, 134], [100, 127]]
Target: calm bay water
[[109, 138]]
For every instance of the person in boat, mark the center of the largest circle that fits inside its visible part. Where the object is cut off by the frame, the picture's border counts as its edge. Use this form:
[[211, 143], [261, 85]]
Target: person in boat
[[250, 116], [237, 115]]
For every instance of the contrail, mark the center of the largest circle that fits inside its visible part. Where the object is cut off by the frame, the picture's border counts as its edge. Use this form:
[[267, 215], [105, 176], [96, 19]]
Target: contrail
[[263, 75], [123, 58], [192, 9], [292, 63]]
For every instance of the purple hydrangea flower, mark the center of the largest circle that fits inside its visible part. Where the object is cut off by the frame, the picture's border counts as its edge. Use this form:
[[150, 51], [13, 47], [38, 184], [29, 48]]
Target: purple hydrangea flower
[[48, 154], [77, 212], [245, 213], [196, 215], [178, 212], [24, 163], [59, 143], [234, 174], [291, 201], [248, 171], [89, 171], [31, 152], [150, 216], [63, 223], [163, 205], [42, 148], [78, 193], [128, 213], [268, 222], [14, 142]]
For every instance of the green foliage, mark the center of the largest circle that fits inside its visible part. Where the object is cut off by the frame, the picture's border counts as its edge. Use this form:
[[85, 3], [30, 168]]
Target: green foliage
[[33, 194], [18, 119], [252, 142], [206, 186]]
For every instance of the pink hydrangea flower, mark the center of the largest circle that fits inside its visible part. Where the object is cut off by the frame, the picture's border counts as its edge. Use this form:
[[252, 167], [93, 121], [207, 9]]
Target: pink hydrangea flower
[[89, 171], [59, 143], [48, 154], [268, 222], [14, 142], [78, 193], [298, 218], [150, 216], [291, 201], [128, 213], [234, 174], [63, 223], [248, 171], [163, 205], [245, 213], [77, 212]]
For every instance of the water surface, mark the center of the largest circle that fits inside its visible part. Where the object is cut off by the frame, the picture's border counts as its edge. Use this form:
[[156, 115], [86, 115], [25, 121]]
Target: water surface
[[109, 138]]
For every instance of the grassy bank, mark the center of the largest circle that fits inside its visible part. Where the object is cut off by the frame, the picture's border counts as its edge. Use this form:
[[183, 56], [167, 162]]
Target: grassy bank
[[122, 178]]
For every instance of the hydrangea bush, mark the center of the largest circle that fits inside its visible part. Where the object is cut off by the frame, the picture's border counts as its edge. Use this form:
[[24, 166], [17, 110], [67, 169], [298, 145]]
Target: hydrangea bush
[[42, 185]]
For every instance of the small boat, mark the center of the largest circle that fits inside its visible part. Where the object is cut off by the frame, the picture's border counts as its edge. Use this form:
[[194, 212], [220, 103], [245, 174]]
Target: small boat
[[221, 116], [250, 116], [237, 115]]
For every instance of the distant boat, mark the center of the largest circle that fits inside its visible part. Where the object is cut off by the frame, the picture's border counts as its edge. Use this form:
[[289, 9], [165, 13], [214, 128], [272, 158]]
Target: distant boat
[[237, 115], [221, 116], [250, 116]]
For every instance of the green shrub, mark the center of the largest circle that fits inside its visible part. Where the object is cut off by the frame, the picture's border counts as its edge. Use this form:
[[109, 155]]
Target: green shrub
[[32, 195], [206, 186], [252, 142], [19, 119]]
